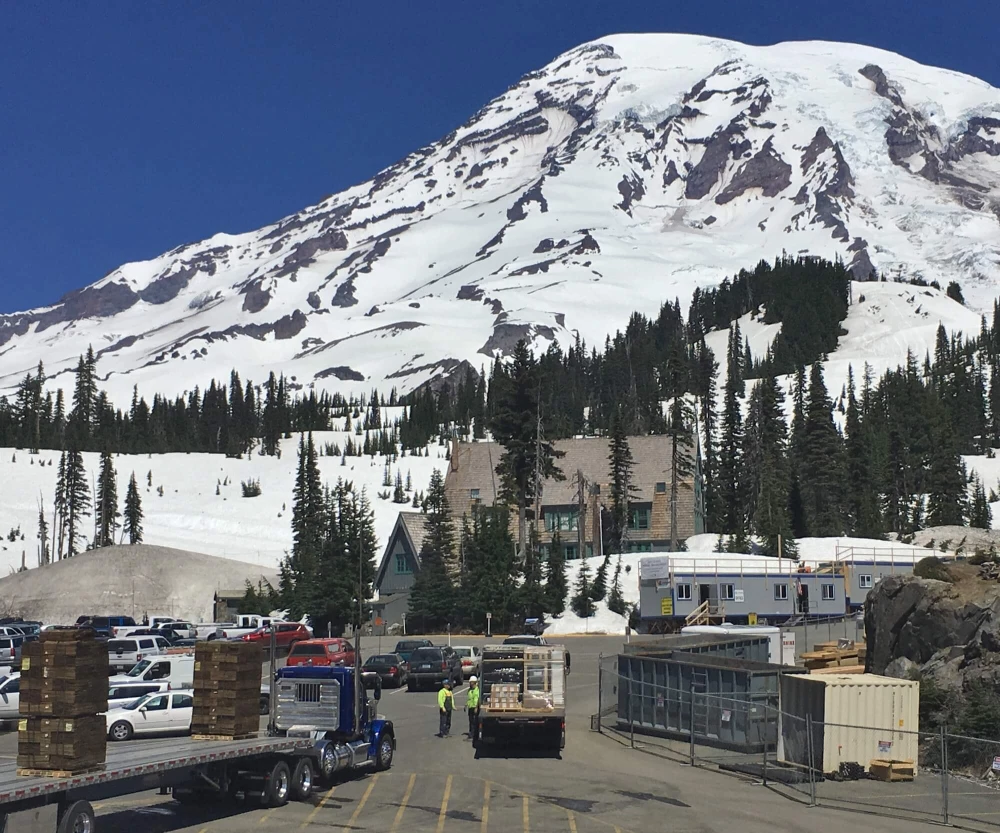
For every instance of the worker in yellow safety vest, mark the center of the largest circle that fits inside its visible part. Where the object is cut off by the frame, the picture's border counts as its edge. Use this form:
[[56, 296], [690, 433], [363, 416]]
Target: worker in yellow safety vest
[[446, 702], [472, 705]]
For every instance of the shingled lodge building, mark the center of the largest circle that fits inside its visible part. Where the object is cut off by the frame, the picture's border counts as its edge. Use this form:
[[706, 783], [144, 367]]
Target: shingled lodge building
[[471, 481]]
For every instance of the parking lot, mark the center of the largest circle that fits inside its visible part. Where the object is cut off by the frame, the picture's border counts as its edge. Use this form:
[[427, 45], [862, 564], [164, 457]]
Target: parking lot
[[439, 785]]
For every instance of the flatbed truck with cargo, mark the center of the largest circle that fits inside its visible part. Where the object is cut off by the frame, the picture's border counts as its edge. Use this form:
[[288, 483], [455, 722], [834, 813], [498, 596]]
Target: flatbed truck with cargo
[[321, 722], [523, 698]]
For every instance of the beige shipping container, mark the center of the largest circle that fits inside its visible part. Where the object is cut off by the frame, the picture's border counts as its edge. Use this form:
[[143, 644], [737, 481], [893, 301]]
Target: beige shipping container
[[856, 718]]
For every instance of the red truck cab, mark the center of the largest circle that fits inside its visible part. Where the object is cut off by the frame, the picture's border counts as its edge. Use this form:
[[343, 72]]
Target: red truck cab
[[334, 651]]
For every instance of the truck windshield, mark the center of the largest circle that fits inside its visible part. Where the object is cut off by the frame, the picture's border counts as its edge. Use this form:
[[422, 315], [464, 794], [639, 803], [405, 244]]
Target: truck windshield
[[139, 668]]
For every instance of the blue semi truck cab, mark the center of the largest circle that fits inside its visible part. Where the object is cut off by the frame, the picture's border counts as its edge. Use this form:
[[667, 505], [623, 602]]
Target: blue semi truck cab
[[331, 707]]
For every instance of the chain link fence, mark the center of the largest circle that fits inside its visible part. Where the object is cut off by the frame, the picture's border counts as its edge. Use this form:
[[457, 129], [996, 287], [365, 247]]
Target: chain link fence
[[932, 777]]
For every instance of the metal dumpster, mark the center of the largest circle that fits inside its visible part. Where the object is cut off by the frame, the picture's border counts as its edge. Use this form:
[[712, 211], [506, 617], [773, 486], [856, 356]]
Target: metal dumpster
[[724, 702]]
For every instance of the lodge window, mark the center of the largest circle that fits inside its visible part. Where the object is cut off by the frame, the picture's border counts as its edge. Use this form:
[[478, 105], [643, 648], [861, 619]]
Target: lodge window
[[474, 494], [640, 518], [661, 488], [780, 592], [570, 552], [561, 521], [402, 564], [683, 592]]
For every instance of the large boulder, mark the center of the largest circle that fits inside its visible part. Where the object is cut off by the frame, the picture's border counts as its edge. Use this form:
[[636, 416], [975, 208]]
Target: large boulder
[[946, 631]]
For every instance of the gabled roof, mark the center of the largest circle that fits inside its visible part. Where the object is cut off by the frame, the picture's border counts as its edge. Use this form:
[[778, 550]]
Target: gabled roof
[[473, 465], [413, 526]]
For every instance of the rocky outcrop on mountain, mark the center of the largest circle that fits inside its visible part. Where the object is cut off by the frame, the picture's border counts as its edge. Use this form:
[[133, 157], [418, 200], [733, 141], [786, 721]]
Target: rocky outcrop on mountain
[[947, 631]]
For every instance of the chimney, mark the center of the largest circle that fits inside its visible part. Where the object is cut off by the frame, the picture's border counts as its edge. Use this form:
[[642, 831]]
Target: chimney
[[453, 462]]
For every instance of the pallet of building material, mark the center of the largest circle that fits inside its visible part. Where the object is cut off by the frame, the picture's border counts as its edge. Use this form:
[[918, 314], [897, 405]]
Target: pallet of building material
[[89, 696], [224, 731], [70, 635], [882, 769], [56, 743], [839, 669], [224, 650], [228, 676], [226, 708]]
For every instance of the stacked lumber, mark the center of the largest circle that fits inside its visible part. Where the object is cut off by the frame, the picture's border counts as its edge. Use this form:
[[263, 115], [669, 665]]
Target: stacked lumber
[[226, 690], [64, 694], [881, 769], [841, 656]]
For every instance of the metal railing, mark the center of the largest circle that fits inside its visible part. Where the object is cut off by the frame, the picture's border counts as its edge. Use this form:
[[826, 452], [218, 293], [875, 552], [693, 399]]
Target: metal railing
[[937, 776]]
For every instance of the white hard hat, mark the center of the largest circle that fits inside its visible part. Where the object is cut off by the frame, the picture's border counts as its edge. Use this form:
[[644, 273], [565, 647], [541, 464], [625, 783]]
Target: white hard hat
[[473, 679]]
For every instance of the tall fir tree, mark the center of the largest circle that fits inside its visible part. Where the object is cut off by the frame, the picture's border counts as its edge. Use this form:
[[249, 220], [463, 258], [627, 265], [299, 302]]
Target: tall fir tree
[[681, 430], [432, 598], [623, 489], [132, 516], [78, 502], [822, 471], [106, 512], [556, 587], [731, 509]]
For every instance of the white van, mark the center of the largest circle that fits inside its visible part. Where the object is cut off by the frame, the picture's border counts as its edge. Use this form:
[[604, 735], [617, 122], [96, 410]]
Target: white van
[[176, 669]]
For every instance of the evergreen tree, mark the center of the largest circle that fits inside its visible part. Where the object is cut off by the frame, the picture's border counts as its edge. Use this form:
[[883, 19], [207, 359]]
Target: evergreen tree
[[947, 481], [622, 488], [132, 520], [980, 514], [489, 581], [556, 586], [822, 486], [299, 587], [77, 497], [616, 601], [599, 587], [766, 469], [731, 510], [583, 601], [432, 599], [106, 512], [680, 429], [864, 512], [82, 417], [44, 554]]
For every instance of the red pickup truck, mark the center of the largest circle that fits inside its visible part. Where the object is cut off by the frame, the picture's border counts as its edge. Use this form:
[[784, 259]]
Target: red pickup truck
[[321, 652], [287, 633]]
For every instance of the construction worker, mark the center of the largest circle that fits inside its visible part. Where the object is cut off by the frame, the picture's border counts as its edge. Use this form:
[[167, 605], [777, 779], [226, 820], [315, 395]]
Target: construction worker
[[472, 704], [446, 702]]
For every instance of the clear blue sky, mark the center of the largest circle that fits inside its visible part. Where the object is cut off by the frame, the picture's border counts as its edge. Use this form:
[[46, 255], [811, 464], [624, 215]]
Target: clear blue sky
[[128, 128]]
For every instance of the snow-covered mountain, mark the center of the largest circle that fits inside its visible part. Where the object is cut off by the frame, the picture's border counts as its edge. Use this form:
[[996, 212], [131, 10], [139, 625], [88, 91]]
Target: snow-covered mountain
[[628, 171]]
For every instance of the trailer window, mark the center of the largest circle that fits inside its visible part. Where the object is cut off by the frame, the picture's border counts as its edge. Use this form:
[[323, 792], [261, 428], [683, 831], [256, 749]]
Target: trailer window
[[727, 592], [780, 592], [865, 581], [828, 592], [683, 592]]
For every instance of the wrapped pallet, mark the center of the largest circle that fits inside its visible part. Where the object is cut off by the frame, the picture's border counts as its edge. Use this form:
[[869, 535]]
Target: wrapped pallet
[[64, 694], [226, 690]]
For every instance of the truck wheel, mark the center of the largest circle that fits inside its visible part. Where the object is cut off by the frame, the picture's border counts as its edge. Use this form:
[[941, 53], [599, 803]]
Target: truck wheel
[[265, 705], [279, 785], [383, 757], [122, 730], [327, 761], [77, 818], [302, 780]]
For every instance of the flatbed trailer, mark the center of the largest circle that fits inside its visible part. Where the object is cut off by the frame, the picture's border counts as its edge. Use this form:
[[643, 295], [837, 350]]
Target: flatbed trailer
[[523, 696], [268, 769]]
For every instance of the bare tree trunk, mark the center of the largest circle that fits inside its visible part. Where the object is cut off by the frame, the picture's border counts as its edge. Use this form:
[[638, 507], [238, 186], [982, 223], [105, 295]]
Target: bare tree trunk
[[674, 543], [580, 521]]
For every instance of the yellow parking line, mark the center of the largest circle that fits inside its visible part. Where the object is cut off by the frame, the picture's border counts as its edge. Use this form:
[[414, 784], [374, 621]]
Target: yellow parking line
[[444, 805], [361, 804], [402, 804], [315, 810], [572, 821], [524, 813], [486, 806]]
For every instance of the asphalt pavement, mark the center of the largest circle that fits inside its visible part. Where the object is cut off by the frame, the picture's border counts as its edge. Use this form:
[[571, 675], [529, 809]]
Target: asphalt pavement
[[438, 785]]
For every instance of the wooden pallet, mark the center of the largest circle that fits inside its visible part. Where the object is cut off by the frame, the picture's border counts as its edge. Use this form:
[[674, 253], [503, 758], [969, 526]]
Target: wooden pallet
[[888, 770], [59, 773], [247, 736], [838, 669]]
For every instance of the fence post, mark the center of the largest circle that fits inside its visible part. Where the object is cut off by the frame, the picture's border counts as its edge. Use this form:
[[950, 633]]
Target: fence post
[[764, 744], [631, 721], [944, 775], [812, 762], [600, 690], [691, 722]]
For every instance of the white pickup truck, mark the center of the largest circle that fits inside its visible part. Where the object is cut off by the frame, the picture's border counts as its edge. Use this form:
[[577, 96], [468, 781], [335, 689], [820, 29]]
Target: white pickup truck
[[248, 623]]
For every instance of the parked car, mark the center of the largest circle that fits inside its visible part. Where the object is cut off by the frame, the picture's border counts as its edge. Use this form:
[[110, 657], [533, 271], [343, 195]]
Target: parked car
[[471, 659], [106, 625], [405, 647], [121, 694], [184, 630], [167, 712], [288, 633], [321, 652], [166, 632], [123, 654], [390, 667], [176, 669], [10, 649], [10, 697], [432, 667]]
